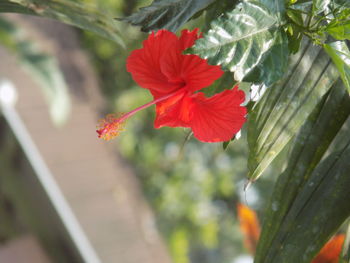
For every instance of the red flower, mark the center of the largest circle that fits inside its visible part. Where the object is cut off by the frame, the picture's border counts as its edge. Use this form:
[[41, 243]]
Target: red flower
[[173, 78]]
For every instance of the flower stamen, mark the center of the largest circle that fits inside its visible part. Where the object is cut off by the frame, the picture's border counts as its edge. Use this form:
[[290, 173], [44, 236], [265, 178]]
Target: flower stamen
[[110, 127]]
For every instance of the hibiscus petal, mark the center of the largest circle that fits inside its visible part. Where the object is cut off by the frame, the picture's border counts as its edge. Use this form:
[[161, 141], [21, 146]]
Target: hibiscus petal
[[197, 73], [189, 71], [218, 118], [188, 38], [144, 63], [175, 111]]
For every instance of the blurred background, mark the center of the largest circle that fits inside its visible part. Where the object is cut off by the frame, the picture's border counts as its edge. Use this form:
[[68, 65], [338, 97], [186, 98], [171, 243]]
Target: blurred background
[[66, 196]]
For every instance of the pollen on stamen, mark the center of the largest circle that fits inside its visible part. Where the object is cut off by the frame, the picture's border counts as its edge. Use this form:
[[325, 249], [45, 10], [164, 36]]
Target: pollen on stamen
[[110, 127]]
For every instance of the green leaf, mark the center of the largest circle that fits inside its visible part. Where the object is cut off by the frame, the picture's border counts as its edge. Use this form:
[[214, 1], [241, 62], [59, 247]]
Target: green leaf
[[295, 16], [69, 12], [294, 32], [303, 168], [167, 14], [339, 28], [294, 40], [284, 107], [225, 144], [273, 65], [319, 210], [238, 40], [340, 55], [340, 32], [42, 67]]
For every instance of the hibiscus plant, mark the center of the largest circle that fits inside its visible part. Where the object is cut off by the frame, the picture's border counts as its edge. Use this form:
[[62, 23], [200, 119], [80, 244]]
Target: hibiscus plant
[[294, 57]]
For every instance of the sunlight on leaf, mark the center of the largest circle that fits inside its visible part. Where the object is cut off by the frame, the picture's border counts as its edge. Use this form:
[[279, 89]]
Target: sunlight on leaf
[[284, 107], [340, 55], [273, 64], [319, 6], [238, 40]]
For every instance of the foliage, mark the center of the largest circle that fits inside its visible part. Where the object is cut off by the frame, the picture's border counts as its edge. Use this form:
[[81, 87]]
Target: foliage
[[68, 12], [280, 113], [238, 44], [303, 176], [168, 14], [340, 54], [43, 67], [298, 51]]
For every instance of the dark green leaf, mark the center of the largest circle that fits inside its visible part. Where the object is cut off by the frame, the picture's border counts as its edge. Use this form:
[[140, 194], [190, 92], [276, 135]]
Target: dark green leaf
[[294, 39], [217, 9], [167, 14], [226, 144], [294, 31], [285, 106], [225, 82], [69, 12], [340, 55], [309, 147], [238, 40], [319, 210]]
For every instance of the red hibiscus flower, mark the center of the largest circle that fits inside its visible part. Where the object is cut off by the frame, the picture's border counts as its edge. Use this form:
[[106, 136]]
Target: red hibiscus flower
[[173, 79]]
